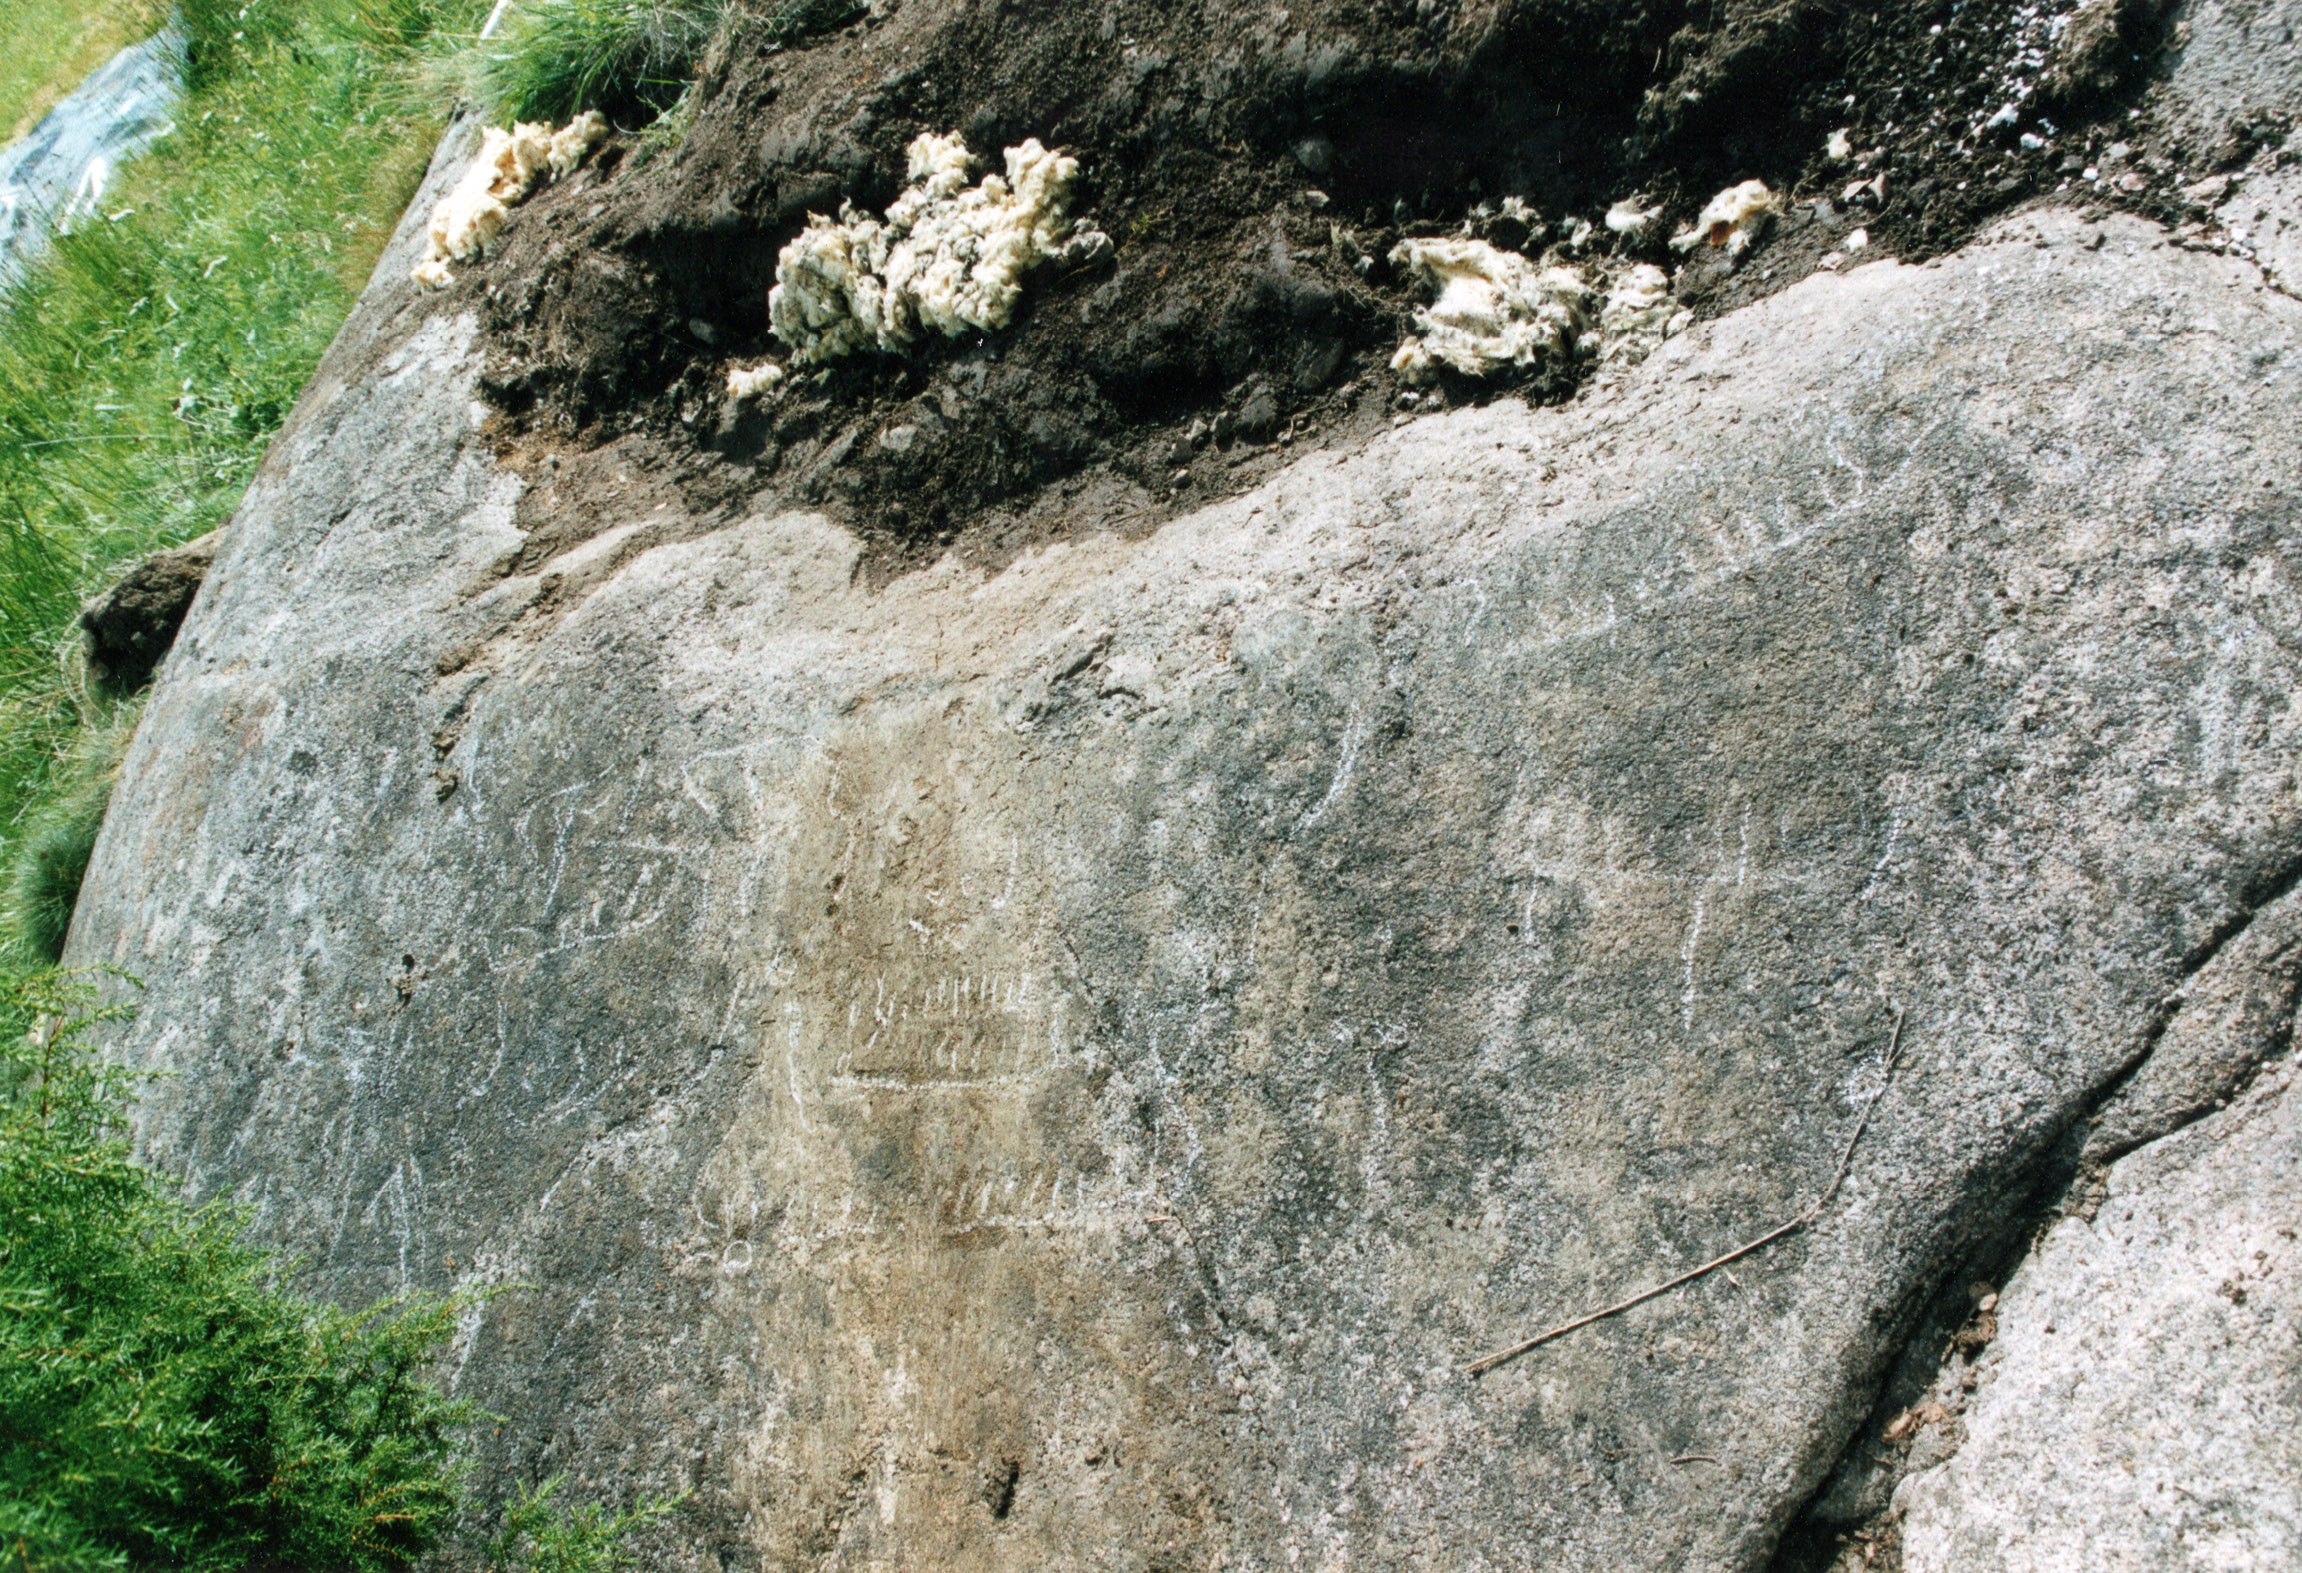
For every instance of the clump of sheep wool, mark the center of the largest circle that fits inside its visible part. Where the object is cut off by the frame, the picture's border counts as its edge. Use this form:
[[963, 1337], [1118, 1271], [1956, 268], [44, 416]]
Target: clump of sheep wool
[[946, 257], [510, 165], [1736, 219], [1638, 315], [753, 381], [1494, 310]]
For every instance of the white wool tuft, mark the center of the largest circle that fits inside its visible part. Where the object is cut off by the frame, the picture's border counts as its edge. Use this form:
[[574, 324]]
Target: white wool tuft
[[1638, 315], [510, 164], [1629, 217], [945, 256], [1494, 309], [572, 143], [1735, 219], [751, 383]]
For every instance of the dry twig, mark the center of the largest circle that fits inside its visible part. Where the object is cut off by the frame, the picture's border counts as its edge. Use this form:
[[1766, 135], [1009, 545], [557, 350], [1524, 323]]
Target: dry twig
[[1486, 1363]]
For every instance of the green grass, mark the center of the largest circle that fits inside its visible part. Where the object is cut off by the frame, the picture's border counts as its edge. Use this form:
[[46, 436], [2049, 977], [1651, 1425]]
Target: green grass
[[48, 47], [145, 365], [631, 59], [52, 852]]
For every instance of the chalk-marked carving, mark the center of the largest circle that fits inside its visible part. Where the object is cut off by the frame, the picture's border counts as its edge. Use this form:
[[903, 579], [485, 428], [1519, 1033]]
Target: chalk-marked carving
[[738, 1234], [954, 1029]]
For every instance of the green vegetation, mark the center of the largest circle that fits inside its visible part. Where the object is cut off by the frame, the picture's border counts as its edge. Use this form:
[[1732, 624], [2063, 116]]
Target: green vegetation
[[164, 1405], [631, 59], [48, 47], [145, 365], [51, 854], [627, 58], [538, 1537], [160, 1404]]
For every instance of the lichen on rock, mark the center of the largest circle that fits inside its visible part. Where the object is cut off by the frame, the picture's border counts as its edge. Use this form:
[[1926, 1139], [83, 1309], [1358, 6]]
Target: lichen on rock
[[1497, 311], [946, 256], [749, 382], [1633, 216], [1638, 315]]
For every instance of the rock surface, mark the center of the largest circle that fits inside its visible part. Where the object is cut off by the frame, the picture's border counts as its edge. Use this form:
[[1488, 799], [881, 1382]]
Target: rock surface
[[2138, 1410], [2235, 94], [1062, 1067]]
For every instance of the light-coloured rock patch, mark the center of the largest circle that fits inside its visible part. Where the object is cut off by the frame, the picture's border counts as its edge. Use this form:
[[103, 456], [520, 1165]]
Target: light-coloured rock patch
[[2137, 1410]]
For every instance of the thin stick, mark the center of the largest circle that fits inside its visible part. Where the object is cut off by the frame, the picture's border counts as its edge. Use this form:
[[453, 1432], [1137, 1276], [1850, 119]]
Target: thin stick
[[1893, 1056], [1486, 1363], [1694, 1458], [1482, 1366]]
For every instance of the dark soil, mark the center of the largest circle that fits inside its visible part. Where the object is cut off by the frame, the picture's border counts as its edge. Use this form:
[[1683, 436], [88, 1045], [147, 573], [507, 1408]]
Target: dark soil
[[1243, 159], [133, 624]]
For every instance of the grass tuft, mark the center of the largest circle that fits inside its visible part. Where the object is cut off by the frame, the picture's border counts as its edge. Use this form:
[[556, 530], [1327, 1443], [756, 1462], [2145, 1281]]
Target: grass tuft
[[633, 60], [629, 59], [51, 862], [51, 854]]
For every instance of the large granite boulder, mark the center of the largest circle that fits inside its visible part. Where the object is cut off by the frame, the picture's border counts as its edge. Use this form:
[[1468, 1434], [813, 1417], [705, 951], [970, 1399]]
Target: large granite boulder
[[1065, 1066]]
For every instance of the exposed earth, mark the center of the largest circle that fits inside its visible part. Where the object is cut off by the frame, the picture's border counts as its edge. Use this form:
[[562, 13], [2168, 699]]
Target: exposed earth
[[1255, 167]]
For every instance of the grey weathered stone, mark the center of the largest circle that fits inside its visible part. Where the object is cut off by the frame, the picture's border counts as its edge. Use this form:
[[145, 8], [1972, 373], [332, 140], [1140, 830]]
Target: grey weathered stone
[[2241, 65], [2234, 60], [2226, 1021], [2138, 1410], [1151, 1015], [1061, 1068]]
